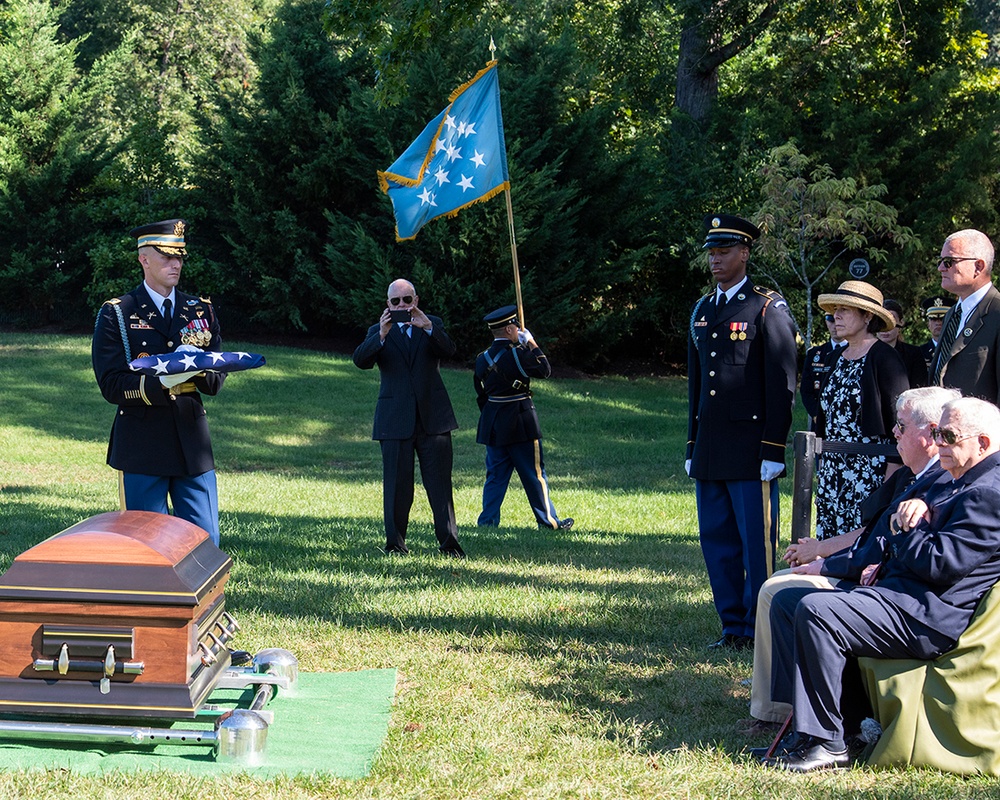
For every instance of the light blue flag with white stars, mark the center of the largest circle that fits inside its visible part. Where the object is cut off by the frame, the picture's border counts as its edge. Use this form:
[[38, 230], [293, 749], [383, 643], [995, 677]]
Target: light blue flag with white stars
[[459, 159]]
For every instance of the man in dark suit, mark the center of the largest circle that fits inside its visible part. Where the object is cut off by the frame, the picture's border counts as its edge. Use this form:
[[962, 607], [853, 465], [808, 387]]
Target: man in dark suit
[[508, 422], [817, 564], [914, 603], [413, 415], [968, 355], [818, 362], [741, 387], [159, 439]]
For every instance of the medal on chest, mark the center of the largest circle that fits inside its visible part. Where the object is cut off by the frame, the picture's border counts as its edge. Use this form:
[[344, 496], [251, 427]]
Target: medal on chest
[[197, 331]]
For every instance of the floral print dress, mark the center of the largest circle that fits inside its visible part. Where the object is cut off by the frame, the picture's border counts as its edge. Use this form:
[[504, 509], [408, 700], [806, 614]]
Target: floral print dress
[[845, 479]]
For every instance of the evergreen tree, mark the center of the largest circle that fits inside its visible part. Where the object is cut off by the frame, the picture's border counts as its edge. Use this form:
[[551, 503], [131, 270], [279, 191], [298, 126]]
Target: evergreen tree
[[51, 154], [302, 143]]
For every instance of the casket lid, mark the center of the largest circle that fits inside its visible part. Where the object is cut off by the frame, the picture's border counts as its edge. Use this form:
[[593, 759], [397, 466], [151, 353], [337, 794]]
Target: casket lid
[[120, 557]]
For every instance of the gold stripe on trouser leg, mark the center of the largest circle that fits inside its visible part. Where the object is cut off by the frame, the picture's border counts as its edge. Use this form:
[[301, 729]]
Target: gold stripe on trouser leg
[[766, 490], [121, 491], [545, 485]]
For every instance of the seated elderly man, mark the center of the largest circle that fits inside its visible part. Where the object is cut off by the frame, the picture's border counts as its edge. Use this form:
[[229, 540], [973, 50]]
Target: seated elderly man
[[917, 411], [917, 604]]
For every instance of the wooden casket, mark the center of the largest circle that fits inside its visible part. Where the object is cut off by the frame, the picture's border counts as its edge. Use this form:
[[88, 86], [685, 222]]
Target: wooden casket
[[121, 615]]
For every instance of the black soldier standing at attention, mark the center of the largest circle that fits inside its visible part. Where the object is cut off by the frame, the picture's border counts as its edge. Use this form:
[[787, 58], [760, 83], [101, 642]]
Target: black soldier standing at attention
[[741, 387]]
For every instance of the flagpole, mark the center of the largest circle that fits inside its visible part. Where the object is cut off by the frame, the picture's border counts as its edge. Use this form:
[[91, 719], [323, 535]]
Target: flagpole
[[513, 255], [510, 225]]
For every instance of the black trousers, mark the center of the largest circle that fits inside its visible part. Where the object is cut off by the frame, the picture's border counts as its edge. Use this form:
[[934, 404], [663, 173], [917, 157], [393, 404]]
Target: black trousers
[[816, 639], [435, 455]]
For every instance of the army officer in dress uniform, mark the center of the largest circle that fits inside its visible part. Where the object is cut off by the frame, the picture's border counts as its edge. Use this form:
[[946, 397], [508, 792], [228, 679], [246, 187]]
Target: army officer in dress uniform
[[508, 422], [935, 309], [159, 439], [816, 368], [741, 387]]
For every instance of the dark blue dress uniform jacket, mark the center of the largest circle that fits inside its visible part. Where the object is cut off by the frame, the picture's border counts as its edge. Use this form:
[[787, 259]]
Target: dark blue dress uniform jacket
[[818, 363], [741, 384], [154, 432], [505, 423]]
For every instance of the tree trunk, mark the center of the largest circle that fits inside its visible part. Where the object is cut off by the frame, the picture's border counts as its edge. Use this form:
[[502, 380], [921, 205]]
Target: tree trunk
[[697, 87]]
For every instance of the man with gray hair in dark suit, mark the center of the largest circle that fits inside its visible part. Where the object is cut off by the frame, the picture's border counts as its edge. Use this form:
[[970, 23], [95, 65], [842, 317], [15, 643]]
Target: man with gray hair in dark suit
[[413, 415], [967, 357], [915, 603]]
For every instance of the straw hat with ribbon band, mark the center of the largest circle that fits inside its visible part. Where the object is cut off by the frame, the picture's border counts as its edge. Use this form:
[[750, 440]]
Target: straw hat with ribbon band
[[860, 295]]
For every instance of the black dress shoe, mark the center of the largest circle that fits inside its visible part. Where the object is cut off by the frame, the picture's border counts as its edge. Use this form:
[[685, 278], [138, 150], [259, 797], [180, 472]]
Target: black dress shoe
[[788, 743], [453, 552], [565, 524], [395, 548], [732, 641], [811, 755]]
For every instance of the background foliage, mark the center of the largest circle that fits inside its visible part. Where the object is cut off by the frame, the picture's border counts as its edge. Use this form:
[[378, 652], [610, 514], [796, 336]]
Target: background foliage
[[263, 123]]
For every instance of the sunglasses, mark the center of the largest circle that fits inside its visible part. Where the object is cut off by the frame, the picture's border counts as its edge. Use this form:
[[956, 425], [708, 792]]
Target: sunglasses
[[950, 261], [948, 437], [828, 317], [408, 298]]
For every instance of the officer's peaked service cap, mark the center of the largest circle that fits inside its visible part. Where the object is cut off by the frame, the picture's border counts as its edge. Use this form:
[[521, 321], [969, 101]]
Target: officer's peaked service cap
[[725, 230], [502, 317], [166, 236]]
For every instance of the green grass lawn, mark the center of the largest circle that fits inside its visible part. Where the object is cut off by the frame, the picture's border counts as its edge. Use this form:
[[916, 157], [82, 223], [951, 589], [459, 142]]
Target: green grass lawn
[[549, 664]]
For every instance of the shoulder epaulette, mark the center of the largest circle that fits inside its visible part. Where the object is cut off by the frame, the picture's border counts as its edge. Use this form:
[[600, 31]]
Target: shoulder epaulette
[[770, 294], [772, 297]]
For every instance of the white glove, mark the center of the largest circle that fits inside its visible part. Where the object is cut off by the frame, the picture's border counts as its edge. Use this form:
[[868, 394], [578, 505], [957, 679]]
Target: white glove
[[524, 336], [769, 470], [172, 380], [687, 467], [188, 348]]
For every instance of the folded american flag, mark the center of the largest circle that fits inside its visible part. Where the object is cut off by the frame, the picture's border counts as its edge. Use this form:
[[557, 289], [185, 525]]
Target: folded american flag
[[200, 361]]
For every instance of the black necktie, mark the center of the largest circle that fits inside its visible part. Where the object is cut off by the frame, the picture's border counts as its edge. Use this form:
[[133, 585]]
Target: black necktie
[[948, 337], [721, 304], [167, 315]]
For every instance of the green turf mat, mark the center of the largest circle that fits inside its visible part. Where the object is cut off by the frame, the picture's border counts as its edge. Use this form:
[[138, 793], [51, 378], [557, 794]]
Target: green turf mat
[[334, 724]]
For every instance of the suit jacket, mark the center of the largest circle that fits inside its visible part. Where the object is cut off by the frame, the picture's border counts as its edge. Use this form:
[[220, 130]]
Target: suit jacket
[[507, 373], [818, 362], [741, 384], [937, 573], [870, 548], [154, 432], [409, 380], [973, 366]]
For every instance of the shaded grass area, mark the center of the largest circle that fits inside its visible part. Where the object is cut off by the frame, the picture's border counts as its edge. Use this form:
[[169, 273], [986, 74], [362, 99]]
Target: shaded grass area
[[569, 664]]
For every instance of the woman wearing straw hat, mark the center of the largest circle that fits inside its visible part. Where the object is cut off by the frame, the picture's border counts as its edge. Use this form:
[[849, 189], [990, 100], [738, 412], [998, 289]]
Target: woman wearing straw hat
[[857, 407]]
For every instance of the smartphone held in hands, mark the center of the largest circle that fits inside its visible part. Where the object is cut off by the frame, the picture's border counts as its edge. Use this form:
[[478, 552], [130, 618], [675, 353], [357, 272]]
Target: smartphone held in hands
[[399, 315]]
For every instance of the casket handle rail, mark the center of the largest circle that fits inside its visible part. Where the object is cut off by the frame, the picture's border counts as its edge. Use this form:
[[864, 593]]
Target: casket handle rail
[[228, 627], [108, 667]]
